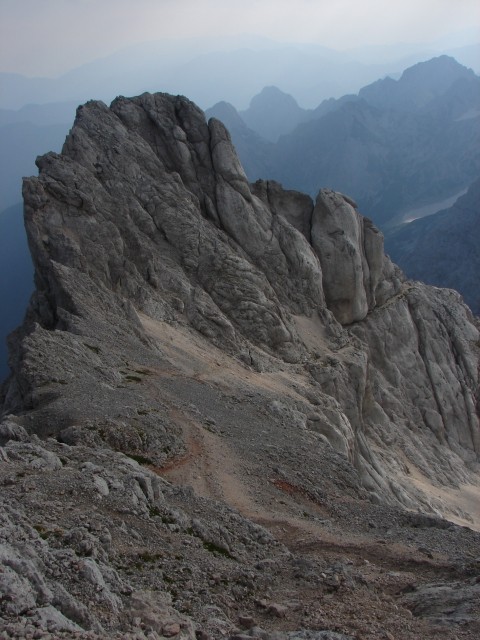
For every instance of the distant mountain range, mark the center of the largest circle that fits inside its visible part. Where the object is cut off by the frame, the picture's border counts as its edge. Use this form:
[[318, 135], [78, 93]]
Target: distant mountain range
[[208, 70], [395, 145], [273, 113]]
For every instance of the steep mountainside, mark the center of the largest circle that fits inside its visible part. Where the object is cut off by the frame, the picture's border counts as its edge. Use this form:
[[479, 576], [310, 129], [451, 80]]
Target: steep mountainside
[[389, 161], [223, 401], [443, 249]]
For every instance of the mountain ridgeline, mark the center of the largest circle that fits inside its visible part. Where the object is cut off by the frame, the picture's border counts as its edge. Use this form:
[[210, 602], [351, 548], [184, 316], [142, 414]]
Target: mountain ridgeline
[[172, 228], [395, 145]]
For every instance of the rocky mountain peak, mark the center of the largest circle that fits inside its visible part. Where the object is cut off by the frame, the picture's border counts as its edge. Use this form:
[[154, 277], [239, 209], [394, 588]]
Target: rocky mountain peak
[[218, 369], [439, 73], [419, 85], [149, 207], [273, 113], [227, 113], [272, 95]]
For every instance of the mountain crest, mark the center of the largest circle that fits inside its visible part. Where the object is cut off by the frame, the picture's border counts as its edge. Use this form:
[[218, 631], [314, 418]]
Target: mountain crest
[[273, 113], [418, 85]]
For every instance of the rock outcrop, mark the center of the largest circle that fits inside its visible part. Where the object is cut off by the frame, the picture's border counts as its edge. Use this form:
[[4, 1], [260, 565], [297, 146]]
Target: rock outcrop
[[185, 318], [148, 210]]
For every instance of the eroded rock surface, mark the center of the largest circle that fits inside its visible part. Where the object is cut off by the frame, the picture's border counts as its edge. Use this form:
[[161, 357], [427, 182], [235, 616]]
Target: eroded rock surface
[[246, 343]]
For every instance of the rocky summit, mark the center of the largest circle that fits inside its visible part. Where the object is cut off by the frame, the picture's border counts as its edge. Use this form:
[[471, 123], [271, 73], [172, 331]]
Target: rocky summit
[[229, 415]]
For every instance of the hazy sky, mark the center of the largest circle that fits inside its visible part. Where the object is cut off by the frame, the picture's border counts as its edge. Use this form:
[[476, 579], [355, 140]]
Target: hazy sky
[[48, 37]]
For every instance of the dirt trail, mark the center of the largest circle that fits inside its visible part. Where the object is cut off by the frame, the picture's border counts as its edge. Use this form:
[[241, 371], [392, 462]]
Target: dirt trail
[[208, 466], [212, 469]]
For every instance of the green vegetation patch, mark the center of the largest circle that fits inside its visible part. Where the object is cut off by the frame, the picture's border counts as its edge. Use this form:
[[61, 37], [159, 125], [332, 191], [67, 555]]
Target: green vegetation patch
[[132, 378], [216, 550], [92, 348]]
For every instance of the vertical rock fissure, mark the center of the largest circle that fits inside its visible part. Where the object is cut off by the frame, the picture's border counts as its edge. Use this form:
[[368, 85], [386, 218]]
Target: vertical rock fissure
[[427, 366]]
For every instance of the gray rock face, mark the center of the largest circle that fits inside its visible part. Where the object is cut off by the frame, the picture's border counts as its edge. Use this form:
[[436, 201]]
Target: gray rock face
[[148, 209], [250, 146], [176, 305], [198, 174], [296, 207], [355, 270]]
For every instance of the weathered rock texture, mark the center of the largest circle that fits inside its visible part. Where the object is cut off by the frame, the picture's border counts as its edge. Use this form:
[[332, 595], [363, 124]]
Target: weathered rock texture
[[244, 341]]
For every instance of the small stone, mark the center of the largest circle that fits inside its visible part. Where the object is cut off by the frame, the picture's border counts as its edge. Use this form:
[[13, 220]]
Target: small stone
[[171, 629], [277, 610], [263, 604], [247, 622]]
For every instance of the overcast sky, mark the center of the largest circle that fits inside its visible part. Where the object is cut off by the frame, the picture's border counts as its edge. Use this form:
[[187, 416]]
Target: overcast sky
[[48, 37]]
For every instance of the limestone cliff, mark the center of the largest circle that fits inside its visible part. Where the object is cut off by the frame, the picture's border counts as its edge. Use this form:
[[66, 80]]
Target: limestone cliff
[[148, 210], [168, 290]]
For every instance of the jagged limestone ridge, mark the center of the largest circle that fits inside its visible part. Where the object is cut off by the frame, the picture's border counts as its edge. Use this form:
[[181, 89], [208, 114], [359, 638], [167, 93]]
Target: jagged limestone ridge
[[148, 210]]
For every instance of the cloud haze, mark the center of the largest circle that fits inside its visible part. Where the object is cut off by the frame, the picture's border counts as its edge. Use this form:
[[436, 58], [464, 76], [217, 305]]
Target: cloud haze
[[48, 37]]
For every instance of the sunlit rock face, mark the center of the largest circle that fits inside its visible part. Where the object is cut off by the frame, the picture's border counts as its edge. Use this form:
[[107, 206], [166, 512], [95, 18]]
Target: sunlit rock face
[[356, 274]]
